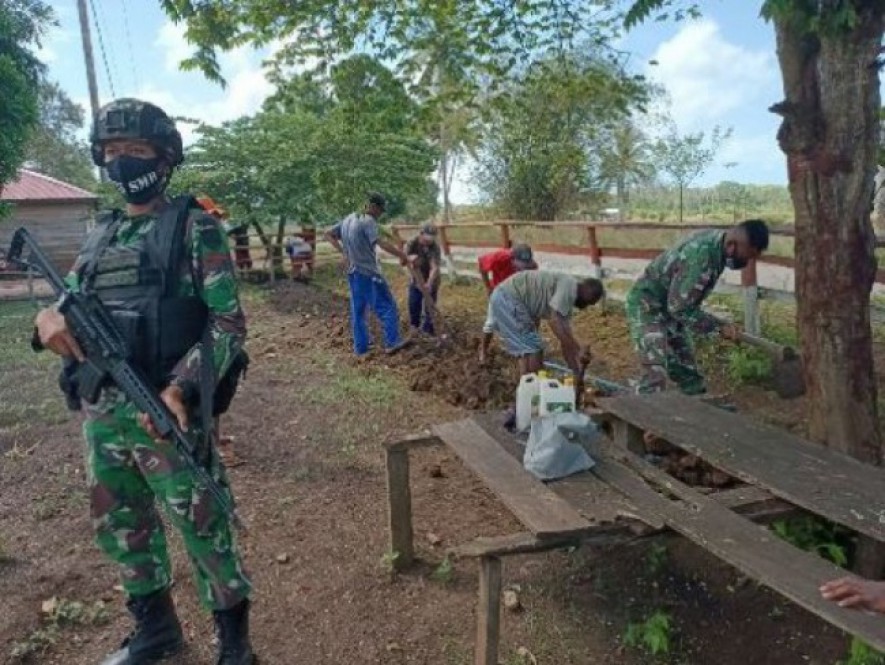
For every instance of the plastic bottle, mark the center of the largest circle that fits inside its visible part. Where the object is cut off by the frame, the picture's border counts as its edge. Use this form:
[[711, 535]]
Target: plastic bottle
[[556, 397], [526, 401]]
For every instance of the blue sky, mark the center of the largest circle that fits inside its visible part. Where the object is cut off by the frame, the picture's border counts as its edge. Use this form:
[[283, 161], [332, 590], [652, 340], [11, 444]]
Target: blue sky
[[719, 70]]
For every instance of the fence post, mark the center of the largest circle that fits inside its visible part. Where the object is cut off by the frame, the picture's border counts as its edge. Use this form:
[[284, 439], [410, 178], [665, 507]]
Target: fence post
[[750, 288], [505, 235], [447, 251], [595, 257]]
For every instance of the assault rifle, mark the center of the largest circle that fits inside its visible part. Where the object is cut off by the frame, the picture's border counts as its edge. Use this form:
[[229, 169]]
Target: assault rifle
[[108, 357]]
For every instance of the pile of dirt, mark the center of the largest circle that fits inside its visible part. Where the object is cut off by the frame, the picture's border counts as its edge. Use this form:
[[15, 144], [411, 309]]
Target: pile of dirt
[[448, 369], [451, 369]]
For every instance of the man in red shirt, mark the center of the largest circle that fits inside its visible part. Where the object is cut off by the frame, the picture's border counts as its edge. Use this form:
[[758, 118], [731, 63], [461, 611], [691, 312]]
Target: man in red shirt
[[503, 263]]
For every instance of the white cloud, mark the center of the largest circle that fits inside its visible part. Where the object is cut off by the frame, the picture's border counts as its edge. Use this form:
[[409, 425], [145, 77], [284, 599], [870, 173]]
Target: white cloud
[[247, 86], [707, 76], [57, 40], [759, 157], [175, 48]]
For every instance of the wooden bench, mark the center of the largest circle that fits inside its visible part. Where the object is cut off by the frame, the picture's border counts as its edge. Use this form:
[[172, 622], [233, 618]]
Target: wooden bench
[[815, 478], [611, 504]]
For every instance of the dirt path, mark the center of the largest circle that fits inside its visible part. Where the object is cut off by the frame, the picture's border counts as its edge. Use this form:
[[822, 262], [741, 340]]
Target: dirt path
[[309, 421]]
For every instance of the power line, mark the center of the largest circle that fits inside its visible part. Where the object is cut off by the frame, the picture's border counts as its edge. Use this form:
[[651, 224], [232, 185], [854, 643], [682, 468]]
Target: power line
[[104, 55], [102, 16], [133, 67]]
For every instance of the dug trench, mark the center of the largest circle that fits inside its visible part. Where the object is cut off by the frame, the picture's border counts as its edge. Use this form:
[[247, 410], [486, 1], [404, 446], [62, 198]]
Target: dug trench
[[309, 421]]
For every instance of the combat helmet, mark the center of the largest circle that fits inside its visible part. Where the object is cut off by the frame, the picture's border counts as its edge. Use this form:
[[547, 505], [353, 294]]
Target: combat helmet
[[134, 119]]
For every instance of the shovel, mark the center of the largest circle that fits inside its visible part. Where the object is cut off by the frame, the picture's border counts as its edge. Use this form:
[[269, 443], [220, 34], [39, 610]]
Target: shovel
[[430, 308], [787, 376]]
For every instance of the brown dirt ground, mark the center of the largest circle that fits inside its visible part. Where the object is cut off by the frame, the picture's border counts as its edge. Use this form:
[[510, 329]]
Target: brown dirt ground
[[309, 421]]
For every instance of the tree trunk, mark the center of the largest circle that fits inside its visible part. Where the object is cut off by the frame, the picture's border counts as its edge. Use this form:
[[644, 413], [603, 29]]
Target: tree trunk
[[830, 135], [680, 202], [262, 236], [879, 202], [621, 193], [445, 185]]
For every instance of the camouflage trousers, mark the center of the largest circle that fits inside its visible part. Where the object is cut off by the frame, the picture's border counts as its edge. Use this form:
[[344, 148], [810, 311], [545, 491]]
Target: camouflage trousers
[[664, 346], [127, 472]]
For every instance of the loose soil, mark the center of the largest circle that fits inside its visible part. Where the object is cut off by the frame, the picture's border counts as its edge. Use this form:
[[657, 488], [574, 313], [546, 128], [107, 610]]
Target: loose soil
[[309, 421]]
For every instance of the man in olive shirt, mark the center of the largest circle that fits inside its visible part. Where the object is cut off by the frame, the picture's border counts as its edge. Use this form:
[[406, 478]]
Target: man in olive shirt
[[425, 255], [517, 307]]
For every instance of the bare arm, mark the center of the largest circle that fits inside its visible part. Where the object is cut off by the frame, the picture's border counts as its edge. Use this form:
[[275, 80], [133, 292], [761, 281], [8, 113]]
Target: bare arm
[[576, 356], [434, 272], [571, 349], [390, 248], [485, 277], [333, 240]]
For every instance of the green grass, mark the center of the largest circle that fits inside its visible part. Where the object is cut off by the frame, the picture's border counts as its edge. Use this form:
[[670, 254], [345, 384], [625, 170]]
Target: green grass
[[860, 653], [652, 635], [28, 392]]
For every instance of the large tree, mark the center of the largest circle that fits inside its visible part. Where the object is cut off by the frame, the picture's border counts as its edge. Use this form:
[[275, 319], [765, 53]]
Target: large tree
[[316, 147], [22, 25], [540, 155]]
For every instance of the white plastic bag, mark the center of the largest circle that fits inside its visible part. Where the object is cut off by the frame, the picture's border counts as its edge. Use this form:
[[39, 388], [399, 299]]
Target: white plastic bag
[[556, 445]]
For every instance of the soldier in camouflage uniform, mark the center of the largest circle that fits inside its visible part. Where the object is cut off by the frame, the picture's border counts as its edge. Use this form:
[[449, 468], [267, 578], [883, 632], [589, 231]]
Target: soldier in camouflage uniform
[[163, 269], [664, 305]]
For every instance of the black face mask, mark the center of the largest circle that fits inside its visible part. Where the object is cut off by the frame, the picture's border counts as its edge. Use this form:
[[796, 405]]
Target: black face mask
[[735, 263], [138, 179]]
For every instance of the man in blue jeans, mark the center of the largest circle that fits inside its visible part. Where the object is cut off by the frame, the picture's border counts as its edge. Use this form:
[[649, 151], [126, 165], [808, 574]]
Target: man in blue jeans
[[356, 237], [424, 254]]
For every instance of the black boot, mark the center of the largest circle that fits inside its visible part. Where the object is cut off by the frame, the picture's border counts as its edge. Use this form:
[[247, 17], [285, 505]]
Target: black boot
[[232, 628], [157, 634]]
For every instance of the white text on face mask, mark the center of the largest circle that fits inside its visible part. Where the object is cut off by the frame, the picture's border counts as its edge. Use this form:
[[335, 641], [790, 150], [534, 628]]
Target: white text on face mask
[[142, 182]]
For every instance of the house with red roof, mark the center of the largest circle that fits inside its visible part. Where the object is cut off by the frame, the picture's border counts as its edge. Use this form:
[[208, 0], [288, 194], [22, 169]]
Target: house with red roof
[[56, 213]]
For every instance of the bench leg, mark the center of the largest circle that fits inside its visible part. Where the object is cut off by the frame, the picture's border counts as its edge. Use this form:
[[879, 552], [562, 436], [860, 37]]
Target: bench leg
[[629, 436], [399, 501], [488, 614]]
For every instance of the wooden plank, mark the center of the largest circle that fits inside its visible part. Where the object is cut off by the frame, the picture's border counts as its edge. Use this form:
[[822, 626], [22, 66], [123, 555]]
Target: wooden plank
[[815, 478], [488, 613], [752, 549], [413, 441], [541, 511], [628, 435], [751, 502], [399, 504], [591, 497]]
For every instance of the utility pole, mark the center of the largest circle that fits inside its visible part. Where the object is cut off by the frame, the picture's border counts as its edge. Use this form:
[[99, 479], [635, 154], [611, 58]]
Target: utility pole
[[90, 68]]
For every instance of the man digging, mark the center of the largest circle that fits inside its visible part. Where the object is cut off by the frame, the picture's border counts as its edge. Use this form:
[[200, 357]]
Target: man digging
[[664, 306], [425, 256], [356, 237], [516, 309]]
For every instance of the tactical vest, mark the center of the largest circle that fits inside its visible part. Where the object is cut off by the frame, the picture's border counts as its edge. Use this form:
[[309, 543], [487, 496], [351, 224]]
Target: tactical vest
[[141, 284]]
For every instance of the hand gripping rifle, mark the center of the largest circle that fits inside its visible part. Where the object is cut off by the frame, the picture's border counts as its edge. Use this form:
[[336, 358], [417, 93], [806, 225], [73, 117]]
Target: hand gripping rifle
[[108, 357]]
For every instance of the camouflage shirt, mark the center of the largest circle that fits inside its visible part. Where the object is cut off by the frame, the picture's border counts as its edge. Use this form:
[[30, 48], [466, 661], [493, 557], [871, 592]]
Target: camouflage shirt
[[676, 282], [209, 256]]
